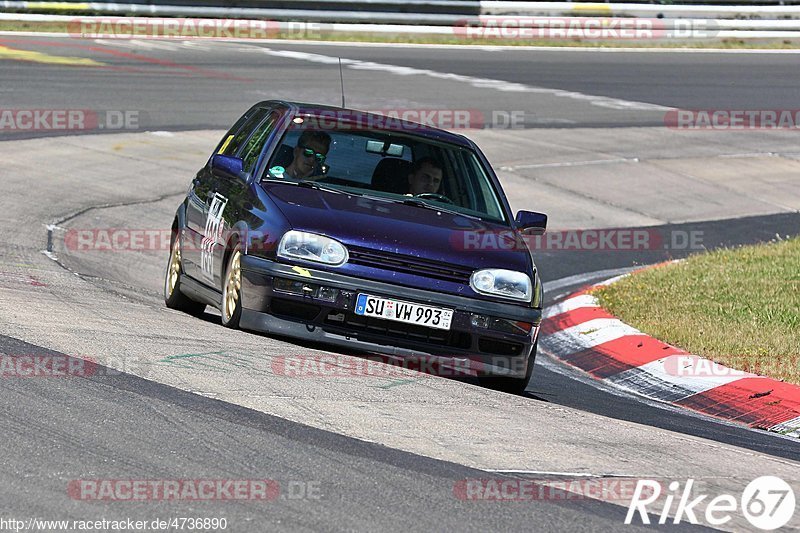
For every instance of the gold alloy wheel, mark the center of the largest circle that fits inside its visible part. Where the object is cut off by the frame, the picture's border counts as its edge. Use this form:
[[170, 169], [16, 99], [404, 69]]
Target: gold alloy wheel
[[174, 267], [232, 285]]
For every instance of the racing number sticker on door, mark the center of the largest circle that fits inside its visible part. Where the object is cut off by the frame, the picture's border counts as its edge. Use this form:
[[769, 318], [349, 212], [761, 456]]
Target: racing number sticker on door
[[212, 235]]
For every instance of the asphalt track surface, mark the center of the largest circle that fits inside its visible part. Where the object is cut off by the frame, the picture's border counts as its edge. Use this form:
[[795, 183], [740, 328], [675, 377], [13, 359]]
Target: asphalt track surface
[[85, 431], [194, 86]]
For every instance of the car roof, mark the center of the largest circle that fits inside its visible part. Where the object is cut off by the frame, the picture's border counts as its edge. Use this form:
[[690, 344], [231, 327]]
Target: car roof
[[390, 123]]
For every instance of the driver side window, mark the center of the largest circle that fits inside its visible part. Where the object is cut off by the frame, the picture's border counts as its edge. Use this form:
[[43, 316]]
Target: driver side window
[[255, 144], [236, 137]]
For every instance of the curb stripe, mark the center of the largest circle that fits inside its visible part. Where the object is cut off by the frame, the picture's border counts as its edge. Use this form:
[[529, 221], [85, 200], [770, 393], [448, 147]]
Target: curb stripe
[[658, 380], [574, 318], [582, 334], [619, 355], [570, 304], [790, 428], [590, 334], [746, 401]]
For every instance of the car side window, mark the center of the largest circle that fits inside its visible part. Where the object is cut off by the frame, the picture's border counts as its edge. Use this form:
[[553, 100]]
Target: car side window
[[479, 187], [252, 149], [234, 140]]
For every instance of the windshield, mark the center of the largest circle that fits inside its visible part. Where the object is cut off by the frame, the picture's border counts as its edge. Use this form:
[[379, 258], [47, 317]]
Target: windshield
[[389, 165]]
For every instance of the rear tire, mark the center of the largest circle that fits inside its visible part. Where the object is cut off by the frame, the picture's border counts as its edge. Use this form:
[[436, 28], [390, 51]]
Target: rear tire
[[232, 289], [173, 297]]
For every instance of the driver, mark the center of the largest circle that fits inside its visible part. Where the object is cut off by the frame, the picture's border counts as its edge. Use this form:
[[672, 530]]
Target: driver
[[311, 149], [425, 176]]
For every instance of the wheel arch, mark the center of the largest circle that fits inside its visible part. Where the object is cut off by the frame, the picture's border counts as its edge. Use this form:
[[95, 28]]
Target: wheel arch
[[236, 235], [178, 223]]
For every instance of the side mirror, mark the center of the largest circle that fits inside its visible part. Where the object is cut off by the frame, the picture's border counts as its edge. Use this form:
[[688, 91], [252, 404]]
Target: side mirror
[[232, 166], [531, 223]]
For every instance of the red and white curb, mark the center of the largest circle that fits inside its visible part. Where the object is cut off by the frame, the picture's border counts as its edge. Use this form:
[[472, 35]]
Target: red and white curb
[[582, 334]]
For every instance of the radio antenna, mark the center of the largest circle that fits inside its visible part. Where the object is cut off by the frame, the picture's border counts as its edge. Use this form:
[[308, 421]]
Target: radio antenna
[[341, 79]]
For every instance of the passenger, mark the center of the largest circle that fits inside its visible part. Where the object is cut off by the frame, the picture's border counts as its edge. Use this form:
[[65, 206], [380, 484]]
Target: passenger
[[310, 152], [425, 176]]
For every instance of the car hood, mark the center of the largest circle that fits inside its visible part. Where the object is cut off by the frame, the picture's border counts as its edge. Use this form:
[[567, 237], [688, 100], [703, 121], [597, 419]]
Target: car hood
[[397, 228]]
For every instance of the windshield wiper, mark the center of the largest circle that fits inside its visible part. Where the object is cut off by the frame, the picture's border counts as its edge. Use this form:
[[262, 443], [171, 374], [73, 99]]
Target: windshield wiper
[[425, 205], [320, 187]]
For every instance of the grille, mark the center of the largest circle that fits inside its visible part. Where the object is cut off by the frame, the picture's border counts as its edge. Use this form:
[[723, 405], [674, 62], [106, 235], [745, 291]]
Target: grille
[[410, 265]]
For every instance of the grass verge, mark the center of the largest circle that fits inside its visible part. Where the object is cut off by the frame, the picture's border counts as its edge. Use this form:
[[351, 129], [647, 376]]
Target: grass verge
[[739, 307]]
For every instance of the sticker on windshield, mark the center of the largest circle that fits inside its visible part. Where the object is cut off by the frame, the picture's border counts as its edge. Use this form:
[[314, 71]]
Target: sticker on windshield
[[225, 144], [277, 172]]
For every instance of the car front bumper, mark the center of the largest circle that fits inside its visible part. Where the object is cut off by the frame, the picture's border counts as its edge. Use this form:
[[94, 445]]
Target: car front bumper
[[485, 338]]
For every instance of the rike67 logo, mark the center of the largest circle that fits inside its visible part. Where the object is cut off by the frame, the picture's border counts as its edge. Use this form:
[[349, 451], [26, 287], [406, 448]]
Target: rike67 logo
[[768, 503]]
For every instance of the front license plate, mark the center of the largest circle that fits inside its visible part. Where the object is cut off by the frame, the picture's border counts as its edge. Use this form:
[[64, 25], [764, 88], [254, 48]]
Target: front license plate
[[421, 315]]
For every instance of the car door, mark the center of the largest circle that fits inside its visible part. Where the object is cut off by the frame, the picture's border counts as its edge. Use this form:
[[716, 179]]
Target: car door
[[202, 196], [231, 199]]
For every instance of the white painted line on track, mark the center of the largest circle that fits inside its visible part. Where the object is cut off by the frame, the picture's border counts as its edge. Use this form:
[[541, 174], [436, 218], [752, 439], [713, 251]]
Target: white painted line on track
[[580, 279], [545, 473], [508, 48], [147, 44], [573, 163], [480, 83], [612, 280]]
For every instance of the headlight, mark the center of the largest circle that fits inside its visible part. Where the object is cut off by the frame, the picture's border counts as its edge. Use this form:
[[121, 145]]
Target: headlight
[[503, 283], [311, 247]]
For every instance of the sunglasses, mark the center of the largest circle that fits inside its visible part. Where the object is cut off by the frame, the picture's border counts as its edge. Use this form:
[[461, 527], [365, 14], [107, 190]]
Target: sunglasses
[[308, 152]]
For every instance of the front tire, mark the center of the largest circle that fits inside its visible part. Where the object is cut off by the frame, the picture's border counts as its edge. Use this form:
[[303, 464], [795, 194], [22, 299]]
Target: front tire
[[232, 289], [173, 297]]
